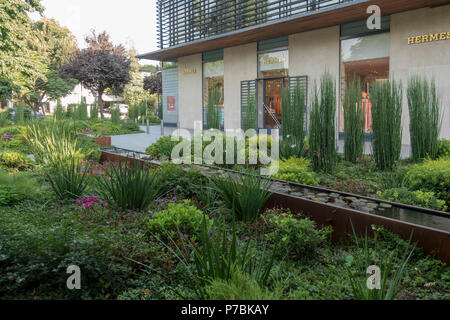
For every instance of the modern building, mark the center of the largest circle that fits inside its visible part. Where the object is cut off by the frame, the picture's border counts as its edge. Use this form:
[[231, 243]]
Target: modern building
[[257, 47]]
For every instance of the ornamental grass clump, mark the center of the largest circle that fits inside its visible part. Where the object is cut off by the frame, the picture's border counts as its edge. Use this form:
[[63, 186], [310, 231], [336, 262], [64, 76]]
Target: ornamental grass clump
[[354, 115], [129, 188], [425, 118], [386, 99], [245, 195], [322, 136]]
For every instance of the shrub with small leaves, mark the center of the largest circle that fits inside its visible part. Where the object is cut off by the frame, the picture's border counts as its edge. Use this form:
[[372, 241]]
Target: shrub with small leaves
[[415, 198], [444, 148], [297, 170], [297, 238], [15, 160]]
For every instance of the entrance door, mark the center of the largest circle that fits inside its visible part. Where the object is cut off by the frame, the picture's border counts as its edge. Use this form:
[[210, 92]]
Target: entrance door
[[272, 102]]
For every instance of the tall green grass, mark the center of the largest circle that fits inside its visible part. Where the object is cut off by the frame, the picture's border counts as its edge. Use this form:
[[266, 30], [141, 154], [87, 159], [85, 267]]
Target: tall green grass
[[293, 121], [115, 115], [322, 135], [425, 117], [129, 188], [94, 112], [213, 114], [245, 195], [386, 99], [354, 115], [4, 116], [249, 114], [59, 112]]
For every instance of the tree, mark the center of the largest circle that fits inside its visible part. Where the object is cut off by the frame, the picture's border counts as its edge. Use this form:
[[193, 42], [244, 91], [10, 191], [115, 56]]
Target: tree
[[99, 67], [15, 62], [134, 92], [153, 84], [51, 46]]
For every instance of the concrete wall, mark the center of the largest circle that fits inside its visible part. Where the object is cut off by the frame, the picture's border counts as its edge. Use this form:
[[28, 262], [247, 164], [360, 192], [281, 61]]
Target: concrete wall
[[241, 63], [312, 53], [190, 90], [431, 58]]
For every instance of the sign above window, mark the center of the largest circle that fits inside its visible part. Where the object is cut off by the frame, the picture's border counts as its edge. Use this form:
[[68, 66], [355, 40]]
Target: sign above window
[[431, 37]]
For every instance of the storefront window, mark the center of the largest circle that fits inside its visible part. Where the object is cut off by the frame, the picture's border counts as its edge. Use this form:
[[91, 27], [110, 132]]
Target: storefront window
[[366, 59], [213, 80]]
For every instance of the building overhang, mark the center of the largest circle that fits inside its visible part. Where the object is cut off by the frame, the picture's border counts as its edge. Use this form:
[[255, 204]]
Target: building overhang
[[322, 18]]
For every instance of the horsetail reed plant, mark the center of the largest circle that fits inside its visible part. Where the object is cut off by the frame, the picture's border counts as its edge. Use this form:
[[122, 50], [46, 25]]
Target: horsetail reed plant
[[354, 115], [386, 99], [245, 195], [293, 121], [425, 117], [129, 188], [20, 114], [80, 112], [4, 118], [213, 114], [59, 112], [322, 138], [249, 114]]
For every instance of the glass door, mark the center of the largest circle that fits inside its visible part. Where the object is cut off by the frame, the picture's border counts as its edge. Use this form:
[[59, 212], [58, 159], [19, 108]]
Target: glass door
[[272, 103]]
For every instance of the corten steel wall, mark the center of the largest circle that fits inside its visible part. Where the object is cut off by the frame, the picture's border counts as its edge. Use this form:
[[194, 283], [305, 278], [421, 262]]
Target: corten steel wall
[[434, 242], [190, 90], [240, 64], [431, 59]]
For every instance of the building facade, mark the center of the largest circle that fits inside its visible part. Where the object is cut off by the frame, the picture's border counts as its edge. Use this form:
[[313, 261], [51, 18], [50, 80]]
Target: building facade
[[241, 48]]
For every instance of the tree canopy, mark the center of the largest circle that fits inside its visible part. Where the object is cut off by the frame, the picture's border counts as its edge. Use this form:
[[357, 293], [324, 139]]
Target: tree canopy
[[99, 67]]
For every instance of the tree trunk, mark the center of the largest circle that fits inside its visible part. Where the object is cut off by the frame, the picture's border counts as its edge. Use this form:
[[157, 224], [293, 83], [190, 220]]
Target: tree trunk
[[100, 102]]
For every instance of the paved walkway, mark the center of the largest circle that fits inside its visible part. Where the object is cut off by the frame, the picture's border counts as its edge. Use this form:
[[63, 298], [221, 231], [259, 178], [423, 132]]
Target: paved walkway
[[141, 141]]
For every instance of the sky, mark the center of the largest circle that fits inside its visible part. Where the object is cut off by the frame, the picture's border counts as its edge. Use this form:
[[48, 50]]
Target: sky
[[128, 22]]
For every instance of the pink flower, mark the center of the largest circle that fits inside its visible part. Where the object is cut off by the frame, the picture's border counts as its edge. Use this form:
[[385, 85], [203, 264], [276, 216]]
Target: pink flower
[[89, 205], [85, 200], [78, 202], [105, 204]]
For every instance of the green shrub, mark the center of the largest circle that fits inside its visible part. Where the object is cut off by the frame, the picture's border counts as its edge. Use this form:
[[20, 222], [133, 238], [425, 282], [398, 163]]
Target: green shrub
[[178, 180], [128, 188], [444, 148], [36, 251], [94, 112], [68, 179], [297, 170], [15, 160], [431, 176], [240, 286], [297, 238], [245, 195], [162, 149], [115, 115], [4, 116], [322, 134], [415, 198], [16, 187], [178, 218], [130, 127], [106, 128], [425, 117], [386, 102]]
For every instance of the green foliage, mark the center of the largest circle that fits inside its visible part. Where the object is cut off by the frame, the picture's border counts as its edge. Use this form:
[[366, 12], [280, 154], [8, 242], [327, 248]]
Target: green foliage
[[106, 128], [297, 170], [68, 179], [94, 112], [322, 134], [16, 187], [59, 112], [249, 114], [179, 180], [386, 102], [213, 111], [178, 218], [415, 198], [15, 160], [133, 113], [80, 112], [431, 176], [244, 195], [4, 117], [425, 118], [297, 238], [129, 127], [115, 115], [444, 148], [294, 115], [129, 188], [354, 122], [390, 278], [162, 149], [240, 286]]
